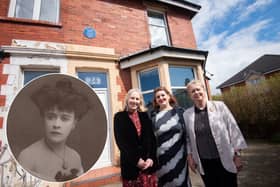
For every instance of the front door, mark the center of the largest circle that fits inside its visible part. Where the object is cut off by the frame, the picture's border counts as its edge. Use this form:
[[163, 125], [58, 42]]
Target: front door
[[105, 158], [98, 82]]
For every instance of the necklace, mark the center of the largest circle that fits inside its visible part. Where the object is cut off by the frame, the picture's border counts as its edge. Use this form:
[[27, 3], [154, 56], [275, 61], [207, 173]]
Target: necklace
[[64, 163]]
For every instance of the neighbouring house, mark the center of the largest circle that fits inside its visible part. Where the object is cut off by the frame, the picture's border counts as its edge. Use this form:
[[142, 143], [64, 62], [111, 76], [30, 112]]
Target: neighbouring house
[[263, 68], [114, 45]]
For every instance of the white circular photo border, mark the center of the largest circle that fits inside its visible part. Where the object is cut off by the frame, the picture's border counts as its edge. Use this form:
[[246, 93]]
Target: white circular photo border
[[24, 124]]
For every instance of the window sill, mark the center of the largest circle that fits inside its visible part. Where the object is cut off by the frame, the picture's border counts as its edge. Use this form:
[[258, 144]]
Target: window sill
[[29, 22]]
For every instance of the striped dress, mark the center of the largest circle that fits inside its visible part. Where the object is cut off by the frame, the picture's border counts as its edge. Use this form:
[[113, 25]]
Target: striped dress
[[171, 152]]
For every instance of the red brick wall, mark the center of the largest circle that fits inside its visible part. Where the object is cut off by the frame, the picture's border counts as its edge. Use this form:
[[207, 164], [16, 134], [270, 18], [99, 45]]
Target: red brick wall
[[267, 76], [119, 24], [273, 74], [226, 89], [4, 7], [3, 81], [180, 28]]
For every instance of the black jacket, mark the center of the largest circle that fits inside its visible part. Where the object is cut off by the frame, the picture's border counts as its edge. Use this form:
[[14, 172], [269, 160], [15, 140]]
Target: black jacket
[[132, 147]]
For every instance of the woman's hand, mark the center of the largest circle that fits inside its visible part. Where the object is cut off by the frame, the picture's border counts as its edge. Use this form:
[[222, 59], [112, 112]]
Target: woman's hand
[[145, 164], [192, 163], [149, 163], [141, 164], [238, 163]]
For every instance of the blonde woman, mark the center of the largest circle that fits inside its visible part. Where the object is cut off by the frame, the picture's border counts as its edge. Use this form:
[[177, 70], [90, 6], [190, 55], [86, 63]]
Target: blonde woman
[[135, 139]]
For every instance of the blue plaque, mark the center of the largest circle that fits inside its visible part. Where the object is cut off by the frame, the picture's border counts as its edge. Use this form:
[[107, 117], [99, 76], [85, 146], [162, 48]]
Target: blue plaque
[[89, 32]]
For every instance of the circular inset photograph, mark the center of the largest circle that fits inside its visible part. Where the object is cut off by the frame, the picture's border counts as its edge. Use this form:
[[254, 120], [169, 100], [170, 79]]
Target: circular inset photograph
[[56, 127]]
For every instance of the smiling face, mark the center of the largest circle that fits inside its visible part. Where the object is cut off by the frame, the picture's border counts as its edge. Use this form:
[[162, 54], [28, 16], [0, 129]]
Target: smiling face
[[58, 125], [133, 101], [197, 94], [162, 99]]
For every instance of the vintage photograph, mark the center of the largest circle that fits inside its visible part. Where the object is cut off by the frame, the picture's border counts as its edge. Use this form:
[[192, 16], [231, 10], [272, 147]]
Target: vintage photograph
[[59, 122]]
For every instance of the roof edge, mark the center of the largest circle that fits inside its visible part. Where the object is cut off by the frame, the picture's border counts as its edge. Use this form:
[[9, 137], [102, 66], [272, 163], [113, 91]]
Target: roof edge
[[163, 47], [162, 51], [187, 5]]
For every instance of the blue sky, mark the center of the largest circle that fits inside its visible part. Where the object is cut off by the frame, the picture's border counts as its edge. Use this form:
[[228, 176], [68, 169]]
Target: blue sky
[[236, 33]]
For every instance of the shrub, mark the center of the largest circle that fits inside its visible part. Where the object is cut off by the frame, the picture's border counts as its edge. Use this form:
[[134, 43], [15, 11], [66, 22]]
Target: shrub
[[256, 107]]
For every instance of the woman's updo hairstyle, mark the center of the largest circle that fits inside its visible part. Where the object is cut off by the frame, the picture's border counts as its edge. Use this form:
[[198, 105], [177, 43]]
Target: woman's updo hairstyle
[[63, 96]]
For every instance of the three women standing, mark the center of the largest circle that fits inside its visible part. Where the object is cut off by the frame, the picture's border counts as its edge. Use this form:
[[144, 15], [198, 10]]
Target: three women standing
[[211, 139], [135, 139]]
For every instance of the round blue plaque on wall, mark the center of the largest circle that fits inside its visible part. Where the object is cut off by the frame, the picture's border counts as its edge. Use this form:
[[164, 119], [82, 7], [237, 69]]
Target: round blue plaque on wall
[[89, 32]]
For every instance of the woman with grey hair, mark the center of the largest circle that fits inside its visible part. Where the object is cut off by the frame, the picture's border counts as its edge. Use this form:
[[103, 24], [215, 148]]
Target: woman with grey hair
[[135, 139], [215, 140]]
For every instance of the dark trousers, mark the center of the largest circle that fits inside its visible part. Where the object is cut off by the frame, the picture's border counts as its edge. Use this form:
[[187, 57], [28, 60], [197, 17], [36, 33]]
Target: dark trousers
[[215, 175]]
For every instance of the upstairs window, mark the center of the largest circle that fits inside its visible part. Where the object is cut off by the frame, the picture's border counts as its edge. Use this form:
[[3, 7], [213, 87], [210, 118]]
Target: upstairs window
[[158, 29], [46, 10]]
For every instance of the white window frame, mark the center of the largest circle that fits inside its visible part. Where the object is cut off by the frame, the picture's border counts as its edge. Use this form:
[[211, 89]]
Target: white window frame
[[36, 10], [165, 27]]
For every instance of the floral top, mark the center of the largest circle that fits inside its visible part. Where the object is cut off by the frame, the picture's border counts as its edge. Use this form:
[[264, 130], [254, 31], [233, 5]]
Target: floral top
[[135, 119]]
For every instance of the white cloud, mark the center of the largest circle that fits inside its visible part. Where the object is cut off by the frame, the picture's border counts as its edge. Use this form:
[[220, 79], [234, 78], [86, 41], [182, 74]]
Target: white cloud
[[239, 50], [248, 10], [209, 14], [230, 51]]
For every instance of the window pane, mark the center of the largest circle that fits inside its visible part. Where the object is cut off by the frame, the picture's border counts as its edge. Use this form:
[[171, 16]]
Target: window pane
[[94, 79], [24, 9], [30, 75], [159, 36], [156, 18], [182, 98], [149, 80], [49, 10], [158, 29], [148, 99], [180, 76]]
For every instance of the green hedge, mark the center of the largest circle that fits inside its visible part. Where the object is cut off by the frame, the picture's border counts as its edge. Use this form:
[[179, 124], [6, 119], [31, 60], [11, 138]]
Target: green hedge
[[256, 107]]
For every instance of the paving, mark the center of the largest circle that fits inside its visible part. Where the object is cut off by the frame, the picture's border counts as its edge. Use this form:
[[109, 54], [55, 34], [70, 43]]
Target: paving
[[261, 167]]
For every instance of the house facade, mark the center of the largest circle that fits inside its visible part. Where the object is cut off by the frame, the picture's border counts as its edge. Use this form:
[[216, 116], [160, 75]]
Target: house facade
[[264, 67], [113, 45]]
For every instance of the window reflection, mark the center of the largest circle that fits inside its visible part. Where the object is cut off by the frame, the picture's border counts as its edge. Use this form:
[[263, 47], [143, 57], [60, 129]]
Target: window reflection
[[179, 78], [182, 97], [49, 10], [24, 9], [30, 75], [158, 29], [148, 81]]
